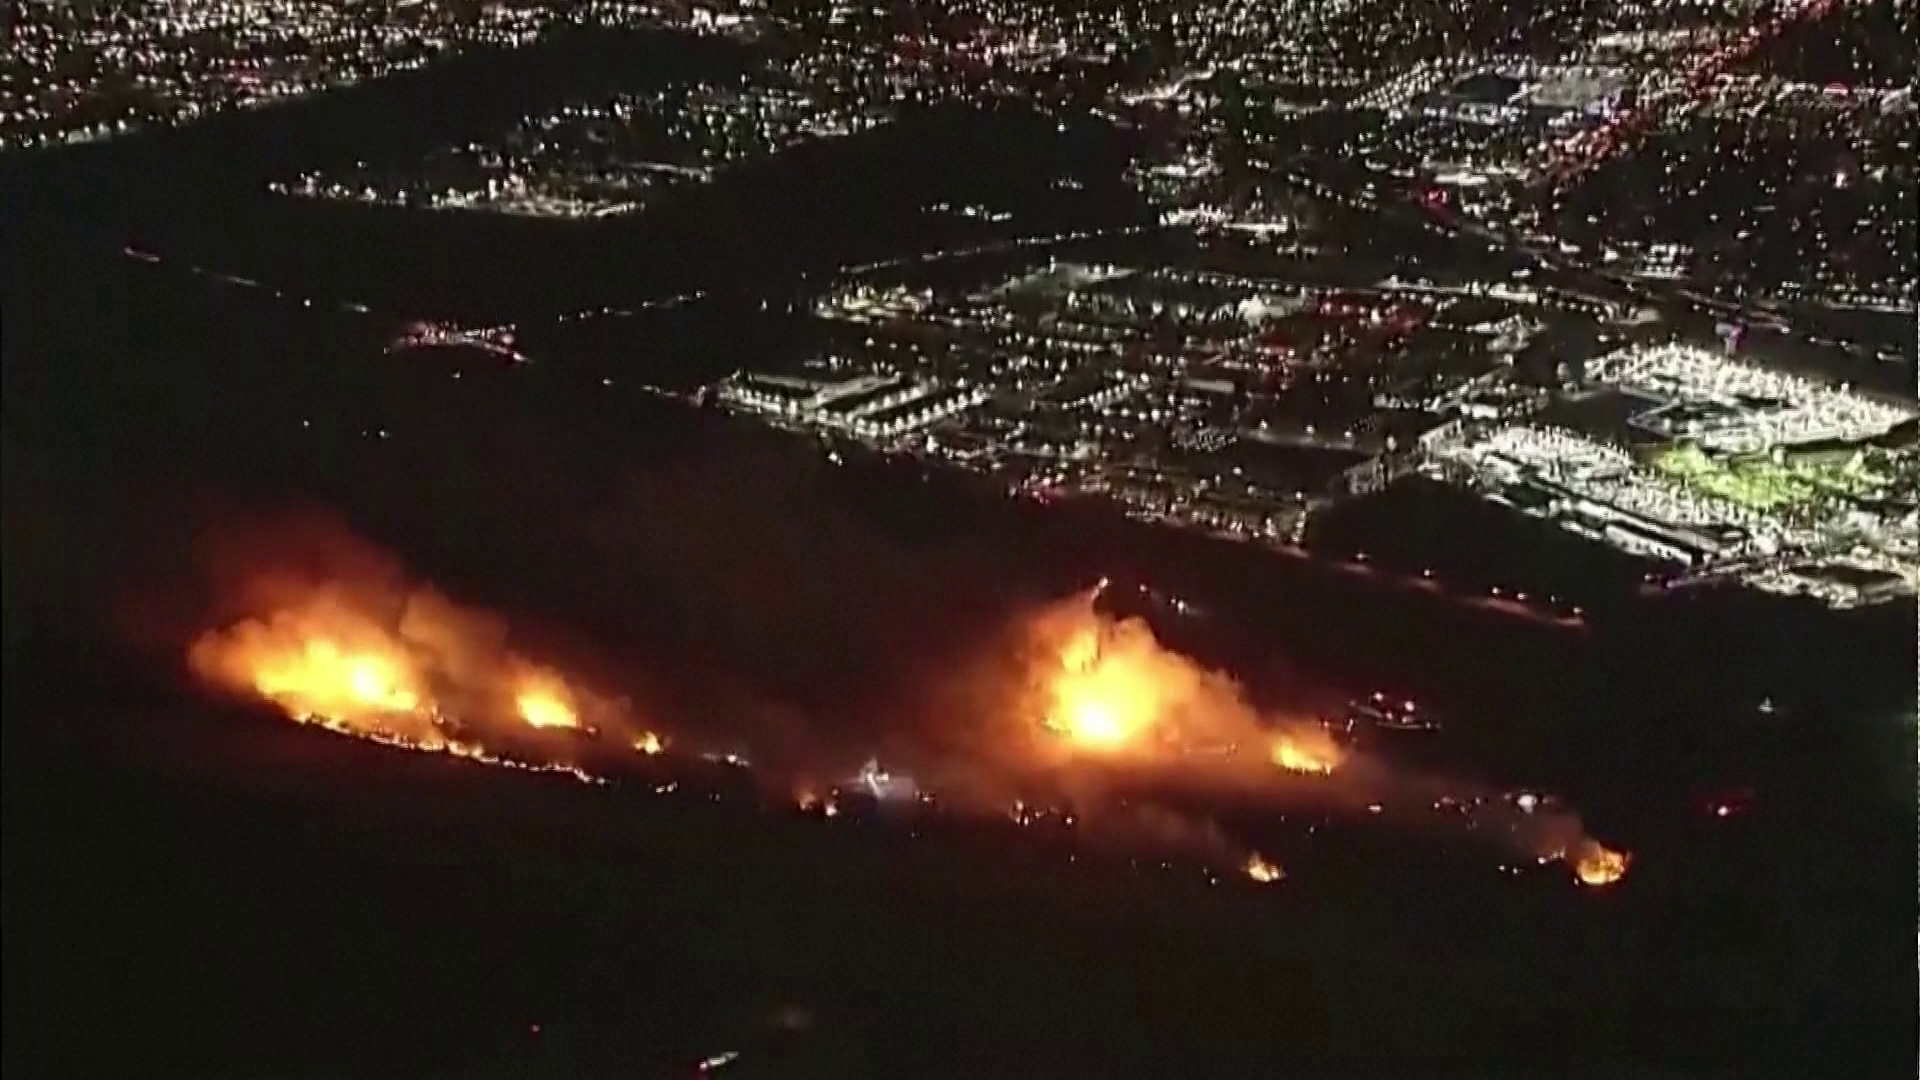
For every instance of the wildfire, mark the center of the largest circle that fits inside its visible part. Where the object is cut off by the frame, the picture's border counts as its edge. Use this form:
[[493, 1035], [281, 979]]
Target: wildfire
[[1598, 865], [319, 666], [1101, 701], [370, 689], [544, 702], [1262, 870], [1110, 688], [402, 668], [1098, 723], [1306, 751]]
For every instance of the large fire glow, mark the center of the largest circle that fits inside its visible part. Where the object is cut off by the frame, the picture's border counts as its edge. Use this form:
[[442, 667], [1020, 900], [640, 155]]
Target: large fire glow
[[1108, 688], [321, 677], [1108, 691], [544, 701], [323, 662], [1596, 865], [1103, 697], [407, 668], [1305, 749], [1263, 871], [1090, 699]]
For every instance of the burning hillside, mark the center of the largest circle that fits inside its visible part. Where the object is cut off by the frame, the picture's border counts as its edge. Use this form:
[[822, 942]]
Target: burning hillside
[[1108, 689], [1080, 706], [403, 665]]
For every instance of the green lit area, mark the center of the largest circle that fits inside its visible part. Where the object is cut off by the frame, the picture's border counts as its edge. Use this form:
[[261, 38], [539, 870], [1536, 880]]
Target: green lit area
[[1760, 482]]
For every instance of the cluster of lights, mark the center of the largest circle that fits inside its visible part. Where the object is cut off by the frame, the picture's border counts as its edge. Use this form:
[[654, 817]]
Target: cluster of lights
[[1679, 507], [1053, 411], [597, 159], [79, 72]]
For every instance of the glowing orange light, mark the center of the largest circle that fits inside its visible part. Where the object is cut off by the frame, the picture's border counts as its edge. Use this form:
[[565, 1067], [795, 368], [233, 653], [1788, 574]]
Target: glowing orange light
[[315, 678], [1100, 700], [1096, 722], [1262, 870], [326, 660], [1305, 752], [541, 709], [1599, 866]]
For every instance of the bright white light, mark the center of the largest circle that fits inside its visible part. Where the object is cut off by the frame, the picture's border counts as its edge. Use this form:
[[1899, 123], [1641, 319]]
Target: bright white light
[[885, 785]]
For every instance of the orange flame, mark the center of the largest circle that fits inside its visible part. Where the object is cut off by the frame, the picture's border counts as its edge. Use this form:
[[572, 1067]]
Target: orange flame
[[1598, 866], [1101, 701], [1306, 750], [1262, 870], [416, 672], [544, 701], [1110, 688], [322, 664]]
